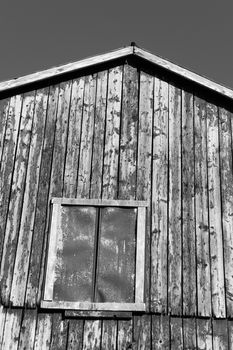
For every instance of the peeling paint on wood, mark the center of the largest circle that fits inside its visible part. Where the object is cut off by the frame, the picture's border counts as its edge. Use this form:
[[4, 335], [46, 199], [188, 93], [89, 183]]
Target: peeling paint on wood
[[109, 335], [43, 332], [92, 335], [176, 333], [189, 333], [27, 330], [59, 333], [12, 330], [160, 332], [142, 332], [220, 335], [124, 335], [204, 334], [75, 335]]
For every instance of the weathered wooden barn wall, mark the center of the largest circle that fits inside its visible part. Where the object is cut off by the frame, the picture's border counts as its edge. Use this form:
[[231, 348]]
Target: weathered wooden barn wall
[[120, 133]]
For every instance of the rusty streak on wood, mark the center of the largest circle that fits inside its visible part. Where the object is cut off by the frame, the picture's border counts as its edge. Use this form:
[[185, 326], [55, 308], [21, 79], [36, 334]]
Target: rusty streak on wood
[[112, 132], [74, 137], [159, 218], [42, 200], [188, 209], [99, 132], [174, 237], [29, 200], [225, 133], [214, 191], [16, 197], [201, 210]]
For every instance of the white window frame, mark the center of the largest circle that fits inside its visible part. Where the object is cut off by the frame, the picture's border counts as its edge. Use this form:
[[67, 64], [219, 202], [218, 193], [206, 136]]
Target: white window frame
[[139, 304]]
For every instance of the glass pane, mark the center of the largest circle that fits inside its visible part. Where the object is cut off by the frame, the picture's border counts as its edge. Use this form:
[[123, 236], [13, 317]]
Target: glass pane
[[75, 254], [116, 255]]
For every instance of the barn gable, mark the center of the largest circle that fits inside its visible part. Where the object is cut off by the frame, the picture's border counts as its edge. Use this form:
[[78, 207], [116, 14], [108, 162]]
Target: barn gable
[[126, 125]]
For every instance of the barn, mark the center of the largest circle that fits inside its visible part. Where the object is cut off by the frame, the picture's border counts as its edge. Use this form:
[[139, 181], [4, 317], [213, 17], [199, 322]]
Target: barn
[[116, 207]]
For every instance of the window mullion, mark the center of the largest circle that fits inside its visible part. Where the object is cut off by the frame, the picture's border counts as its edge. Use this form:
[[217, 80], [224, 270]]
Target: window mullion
[[96, 244]]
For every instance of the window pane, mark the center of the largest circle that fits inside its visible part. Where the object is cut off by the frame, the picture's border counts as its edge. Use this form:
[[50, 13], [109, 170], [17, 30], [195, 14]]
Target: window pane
[[116, 255], [75, 254]]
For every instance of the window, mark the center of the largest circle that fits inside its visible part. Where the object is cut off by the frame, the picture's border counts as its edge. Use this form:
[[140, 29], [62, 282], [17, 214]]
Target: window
[[96, 255]]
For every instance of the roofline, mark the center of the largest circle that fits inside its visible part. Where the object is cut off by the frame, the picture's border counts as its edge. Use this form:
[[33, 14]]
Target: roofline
[[107, 57]]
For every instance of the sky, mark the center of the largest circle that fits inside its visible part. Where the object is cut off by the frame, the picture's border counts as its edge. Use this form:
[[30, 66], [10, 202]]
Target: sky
[[37, 35]]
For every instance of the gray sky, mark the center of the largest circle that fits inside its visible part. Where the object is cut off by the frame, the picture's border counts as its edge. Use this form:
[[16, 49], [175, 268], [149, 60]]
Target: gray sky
[[37, 35]]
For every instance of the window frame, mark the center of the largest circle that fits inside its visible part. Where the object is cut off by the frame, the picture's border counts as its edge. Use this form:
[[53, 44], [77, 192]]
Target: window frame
[[139, 303]]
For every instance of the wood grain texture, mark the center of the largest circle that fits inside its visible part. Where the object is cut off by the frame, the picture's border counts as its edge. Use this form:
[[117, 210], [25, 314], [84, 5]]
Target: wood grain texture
[[188, 208], [174, 235], [3, 312], [159, 229], [214, 191], [220, 335], [204, 334], [43, 332], [12, 330], [160, 332], [4, 108], [74, 137], [59, 333], [42, 200], [176, 329], [201, 210], [111, 148], [84, 171], [29, 200], [142, 332], [8, 158], [92, 335], [225, 133], [109, 335], [128, 136], [124, 335], [189, 333], [99, 133], [230, 334], [75, 335], [16, 197], [27, 330]]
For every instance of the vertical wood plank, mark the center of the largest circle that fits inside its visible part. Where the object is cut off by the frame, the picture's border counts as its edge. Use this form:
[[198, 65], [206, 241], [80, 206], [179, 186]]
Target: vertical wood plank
[[174, 237], [225, 133], [42, 199], [4, 108], [85, 159], [43, 332], [2, 323], [74, 136], [201, 210], [29, 200], [16, 198], [92, 335], [27, 330], [188, 210], [99, 132], [160, 333], [59, 333], [159, 199], [220, 335], [12, 329], [8, 159], [176, 329], [124, 335], [189, 333], [128, 137], [111, 150], [142, 332], [109, 335], [75, 335], [230, 334], [215, 220], [204, 334], [144, 155]]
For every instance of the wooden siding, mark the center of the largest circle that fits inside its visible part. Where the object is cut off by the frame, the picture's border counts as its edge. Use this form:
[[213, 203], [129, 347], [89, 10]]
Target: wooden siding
[[120, 134]]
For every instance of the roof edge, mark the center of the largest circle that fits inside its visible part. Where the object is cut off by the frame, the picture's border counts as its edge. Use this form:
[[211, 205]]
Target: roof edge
[[107, 57]]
